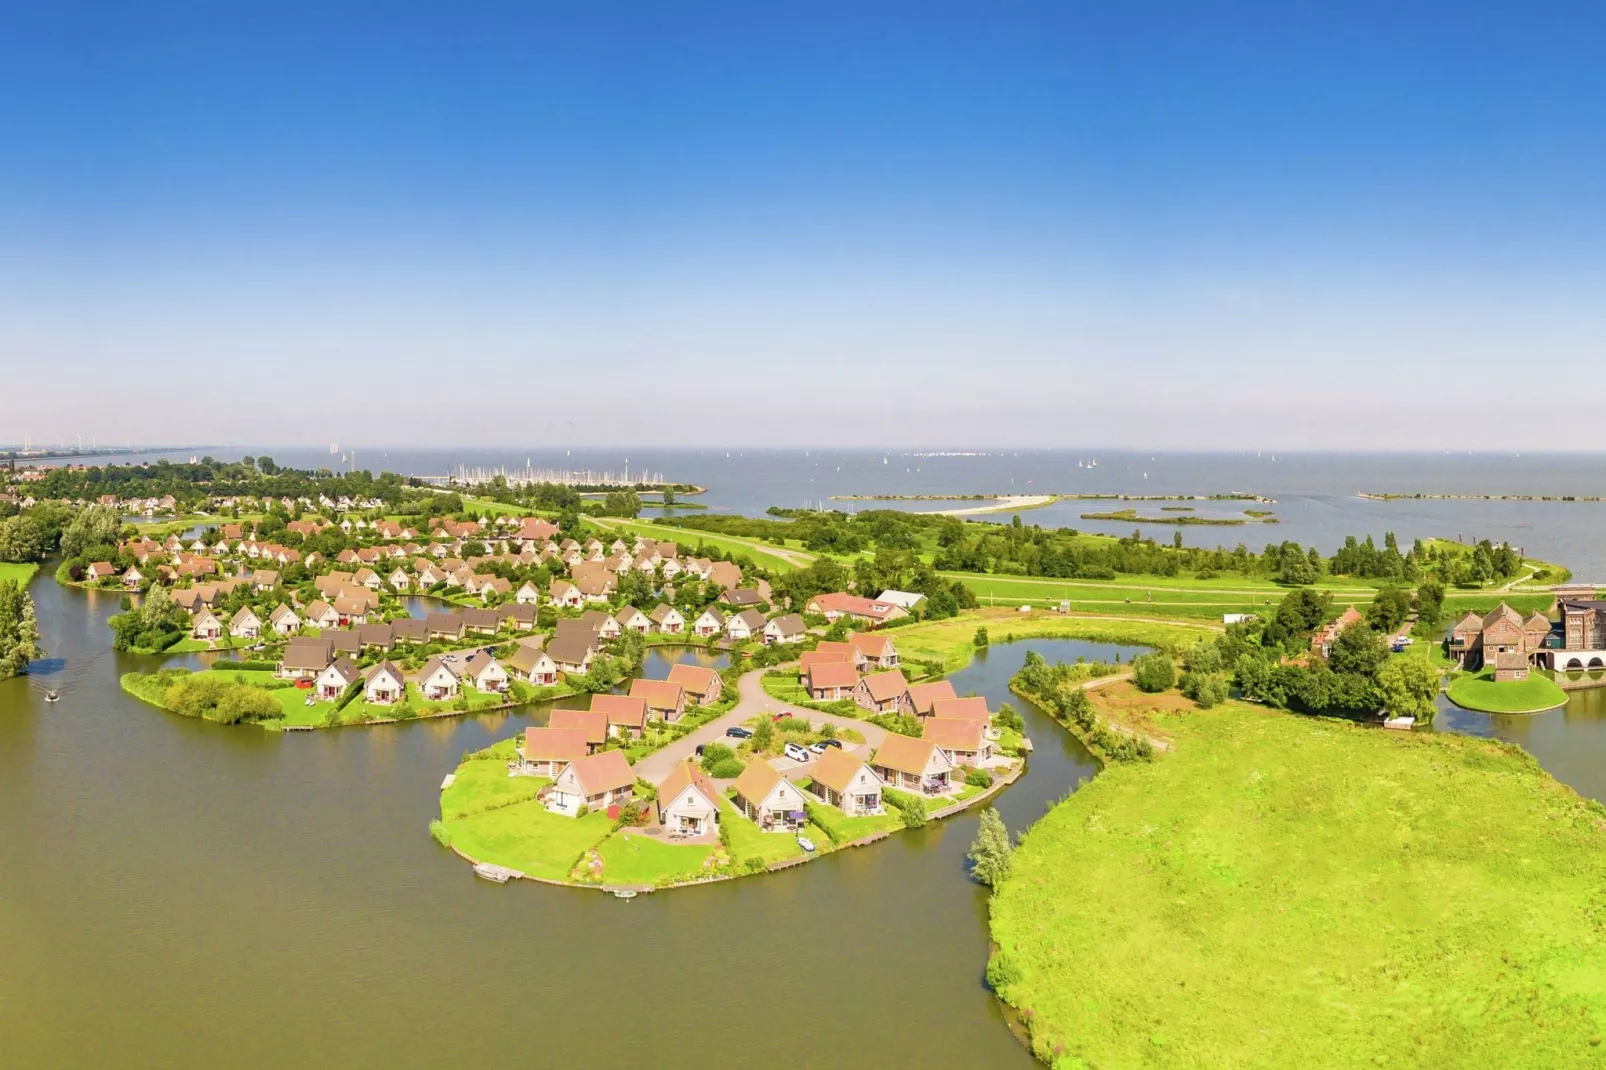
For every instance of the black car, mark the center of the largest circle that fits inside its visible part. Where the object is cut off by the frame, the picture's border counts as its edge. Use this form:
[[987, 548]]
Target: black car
[[819, 748], [738, 732]]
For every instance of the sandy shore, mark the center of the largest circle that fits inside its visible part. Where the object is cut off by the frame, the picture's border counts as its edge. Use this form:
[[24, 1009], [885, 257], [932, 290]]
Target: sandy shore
[[1004, 504]]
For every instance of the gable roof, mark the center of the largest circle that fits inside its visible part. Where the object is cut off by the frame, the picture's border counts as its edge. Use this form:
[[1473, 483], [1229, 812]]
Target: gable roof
[[594, 723], [434, 663], [836, 769], [657, 694], [307, 653], [758, 780], [833, 674], [962, 709], [696, 679], [607, 770], [570, 649], [686, 774], [386, 668], [554, 744], [872, 646], [884, 686], [953, 734], [627, 710], [906, 754], [789, 624], [924, 695]]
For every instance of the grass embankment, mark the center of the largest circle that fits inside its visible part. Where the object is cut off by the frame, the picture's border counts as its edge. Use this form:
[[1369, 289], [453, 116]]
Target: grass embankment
[[22, 573], [688, 539], [951, 642], [1479, 691], [1289, 891]]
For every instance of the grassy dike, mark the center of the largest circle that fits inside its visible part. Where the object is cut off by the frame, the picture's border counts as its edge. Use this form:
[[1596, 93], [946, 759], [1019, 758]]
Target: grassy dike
[[1290, 891]]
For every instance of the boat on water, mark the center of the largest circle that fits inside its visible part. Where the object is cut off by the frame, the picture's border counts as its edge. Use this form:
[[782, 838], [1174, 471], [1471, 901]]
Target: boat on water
[[806, 843], [494, 874], [625, 893], [51, 696]]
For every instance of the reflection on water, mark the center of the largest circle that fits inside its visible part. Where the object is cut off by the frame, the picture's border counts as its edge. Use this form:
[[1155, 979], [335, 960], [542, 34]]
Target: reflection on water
[[1569, 742], [197, 885]]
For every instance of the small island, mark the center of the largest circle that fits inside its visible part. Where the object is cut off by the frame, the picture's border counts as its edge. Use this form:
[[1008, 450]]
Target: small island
[[641, 791]]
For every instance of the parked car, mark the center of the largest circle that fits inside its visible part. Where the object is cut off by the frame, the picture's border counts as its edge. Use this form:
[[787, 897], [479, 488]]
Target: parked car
[[819, 748], [700, 747], [738, 732], [795, 752]]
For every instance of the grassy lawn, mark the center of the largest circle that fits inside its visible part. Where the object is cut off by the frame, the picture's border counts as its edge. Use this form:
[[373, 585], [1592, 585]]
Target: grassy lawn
[[785, 685], [482, 783], [950, 641], [1480, 692], [21, 573], [1288, 891], [847, 828], [525, 837], [749, 841], [644, 860]]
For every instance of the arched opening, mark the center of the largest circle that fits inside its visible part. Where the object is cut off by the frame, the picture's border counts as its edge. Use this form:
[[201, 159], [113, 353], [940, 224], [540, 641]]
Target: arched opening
[[1574, 663], [1596, 663]]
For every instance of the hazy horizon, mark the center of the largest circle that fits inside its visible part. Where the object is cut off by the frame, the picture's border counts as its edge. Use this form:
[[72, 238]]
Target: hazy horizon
[[1156, 226]]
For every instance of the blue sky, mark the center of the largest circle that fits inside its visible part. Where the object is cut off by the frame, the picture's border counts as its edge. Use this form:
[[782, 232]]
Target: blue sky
[[1289, 225]]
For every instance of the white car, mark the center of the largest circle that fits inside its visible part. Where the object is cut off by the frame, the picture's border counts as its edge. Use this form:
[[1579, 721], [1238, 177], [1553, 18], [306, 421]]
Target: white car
[[795, 752]]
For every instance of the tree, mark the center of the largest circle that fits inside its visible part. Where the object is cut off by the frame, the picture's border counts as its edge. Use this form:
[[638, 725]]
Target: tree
[[1389, 609], [19, 631], [1430, 601], [1153, 672], [622, 503], [990, 855], [1357, 651], [763, 736], [980, 639], [1207, 689], [1408, 687]]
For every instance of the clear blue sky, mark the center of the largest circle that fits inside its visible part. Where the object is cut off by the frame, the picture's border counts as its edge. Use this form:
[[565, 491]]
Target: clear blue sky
[[1178, 224]]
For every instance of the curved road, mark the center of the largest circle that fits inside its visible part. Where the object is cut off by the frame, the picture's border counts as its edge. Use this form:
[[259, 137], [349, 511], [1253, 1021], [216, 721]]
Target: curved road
[[752, 702]]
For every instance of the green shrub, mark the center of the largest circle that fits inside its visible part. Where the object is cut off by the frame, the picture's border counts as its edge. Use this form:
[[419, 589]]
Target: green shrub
[[980, 778], [224, 664], [754, 864], [728, 769], [911, 808], [980, 639], [1153, 673], [793, 724], [1009, 717], [714, 753], [1207, 689], [1002, 971]]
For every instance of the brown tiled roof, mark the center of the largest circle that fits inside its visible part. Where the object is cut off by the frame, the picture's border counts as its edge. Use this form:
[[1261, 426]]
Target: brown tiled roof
[[884, 686], [593, 723], [698, 680], [307, 653], [951, 734], [757, 780], [905, 754], [554, 744], [832, 674], [657, 694], [836, 769], [627, 710], [962, 709], [924, 695], [607, 770], [686, 774]]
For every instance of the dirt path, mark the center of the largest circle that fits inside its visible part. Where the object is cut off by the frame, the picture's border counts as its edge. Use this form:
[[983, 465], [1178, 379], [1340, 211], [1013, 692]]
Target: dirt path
[[1004, 504]]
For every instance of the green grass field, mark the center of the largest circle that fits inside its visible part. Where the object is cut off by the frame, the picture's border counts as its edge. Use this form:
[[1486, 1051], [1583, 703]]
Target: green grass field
[[493, 817], [1287, 891], [749, 841], [640, 860], [951, 641], [1480, 692], [21, 573], [688, 539]]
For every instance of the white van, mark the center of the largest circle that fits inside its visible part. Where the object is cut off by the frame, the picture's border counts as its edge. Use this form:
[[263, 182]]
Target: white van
[[795, 752]]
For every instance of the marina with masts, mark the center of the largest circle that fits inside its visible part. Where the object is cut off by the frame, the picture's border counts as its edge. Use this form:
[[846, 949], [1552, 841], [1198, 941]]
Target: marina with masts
[[466, 476]]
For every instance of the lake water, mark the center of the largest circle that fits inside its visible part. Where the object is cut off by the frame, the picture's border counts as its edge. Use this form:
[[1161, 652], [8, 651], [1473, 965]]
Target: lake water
[[1316, 494], [177, 893], [212, 896]]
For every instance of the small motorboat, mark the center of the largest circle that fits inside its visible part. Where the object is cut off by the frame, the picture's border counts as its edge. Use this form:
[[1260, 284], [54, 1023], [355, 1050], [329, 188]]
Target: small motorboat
[[494, 874], [624, 893], [806, 843], [51, 696]]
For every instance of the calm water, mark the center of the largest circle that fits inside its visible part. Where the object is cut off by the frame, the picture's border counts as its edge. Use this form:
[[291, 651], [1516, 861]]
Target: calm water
[[1315, 493], [213, 896]]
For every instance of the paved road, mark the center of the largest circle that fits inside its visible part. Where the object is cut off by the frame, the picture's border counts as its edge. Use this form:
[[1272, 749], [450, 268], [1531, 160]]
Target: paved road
[[752, 702]]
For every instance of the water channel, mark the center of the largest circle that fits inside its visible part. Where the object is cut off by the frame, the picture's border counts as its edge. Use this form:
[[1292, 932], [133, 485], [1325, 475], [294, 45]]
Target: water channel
[[178, 893]]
